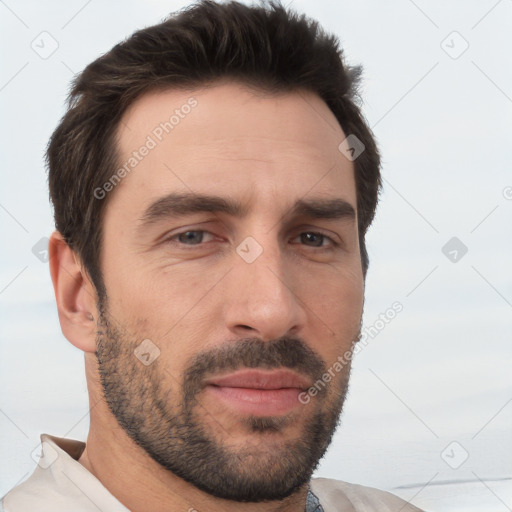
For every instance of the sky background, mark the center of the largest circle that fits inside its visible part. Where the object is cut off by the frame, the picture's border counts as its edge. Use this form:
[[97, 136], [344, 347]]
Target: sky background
[[429, 414]]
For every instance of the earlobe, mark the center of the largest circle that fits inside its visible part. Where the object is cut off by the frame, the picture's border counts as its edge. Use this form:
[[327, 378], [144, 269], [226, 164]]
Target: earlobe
[[75, 295]]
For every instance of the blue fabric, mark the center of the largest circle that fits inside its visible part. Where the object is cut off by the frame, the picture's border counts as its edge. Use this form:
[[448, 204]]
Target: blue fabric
[[312, 503]]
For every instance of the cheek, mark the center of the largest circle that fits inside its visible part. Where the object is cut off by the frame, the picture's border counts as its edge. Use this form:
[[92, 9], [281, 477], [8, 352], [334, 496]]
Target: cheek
[[174, 311], [161, 296], [337, 295], [337, 307]]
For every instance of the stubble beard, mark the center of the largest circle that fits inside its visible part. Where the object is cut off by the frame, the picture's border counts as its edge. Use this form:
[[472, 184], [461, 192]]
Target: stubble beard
[[167, 423]]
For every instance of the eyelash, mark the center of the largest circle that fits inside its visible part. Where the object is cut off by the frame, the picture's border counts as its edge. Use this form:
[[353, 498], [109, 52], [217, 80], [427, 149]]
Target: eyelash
[[171, 239]]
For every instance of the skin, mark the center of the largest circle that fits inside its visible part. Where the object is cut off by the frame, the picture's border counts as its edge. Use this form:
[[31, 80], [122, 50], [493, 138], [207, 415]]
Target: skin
[[266, 152]]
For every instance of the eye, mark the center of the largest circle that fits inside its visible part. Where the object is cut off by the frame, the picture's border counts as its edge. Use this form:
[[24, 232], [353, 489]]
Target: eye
[[191, 237], [199, 237], [314, 239]]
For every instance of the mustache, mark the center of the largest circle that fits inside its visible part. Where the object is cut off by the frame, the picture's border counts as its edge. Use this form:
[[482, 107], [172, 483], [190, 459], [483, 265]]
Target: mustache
[[287, 352]]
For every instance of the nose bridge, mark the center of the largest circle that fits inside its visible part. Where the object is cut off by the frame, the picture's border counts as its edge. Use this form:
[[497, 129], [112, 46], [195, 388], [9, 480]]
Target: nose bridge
[[263, 298]]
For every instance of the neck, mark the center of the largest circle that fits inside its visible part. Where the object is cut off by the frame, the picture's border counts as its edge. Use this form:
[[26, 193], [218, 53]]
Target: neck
[[139, 482]]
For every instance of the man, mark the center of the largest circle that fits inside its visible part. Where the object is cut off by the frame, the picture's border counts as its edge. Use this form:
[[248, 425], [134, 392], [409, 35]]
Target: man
[[218, 363]]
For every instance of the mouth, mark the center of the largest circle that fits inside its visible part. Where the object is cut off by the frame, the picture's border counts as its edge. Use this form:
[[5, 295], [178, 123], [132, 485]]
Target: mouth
[[259, 392]]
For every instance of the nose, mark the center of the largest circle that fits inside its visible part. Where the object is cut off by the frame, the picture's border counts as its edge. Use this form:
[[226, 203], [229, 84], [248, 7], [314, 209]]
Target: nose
[[262, 300]]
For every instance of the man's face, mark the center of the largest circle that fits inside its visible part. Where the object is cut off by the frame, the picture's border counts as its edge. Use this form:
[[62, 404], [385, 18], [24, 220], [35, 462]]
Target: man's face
[[249, 296]]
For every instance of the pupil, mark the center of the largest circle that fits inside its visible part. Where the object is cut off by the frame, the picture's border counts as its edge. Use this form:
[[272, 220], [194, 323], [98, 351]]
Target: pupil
[[311, 238], [189, 236]]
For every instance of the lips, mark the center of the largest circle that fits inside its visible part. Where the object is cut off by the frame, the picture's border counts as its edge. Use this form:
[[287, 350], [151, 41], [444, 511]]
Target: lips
[[260, 379], [258, 392]]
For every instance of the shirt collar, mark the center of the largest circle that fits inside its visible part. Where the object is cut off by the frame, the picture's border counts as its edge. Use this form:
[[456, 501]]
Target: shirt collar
[[58, 469]]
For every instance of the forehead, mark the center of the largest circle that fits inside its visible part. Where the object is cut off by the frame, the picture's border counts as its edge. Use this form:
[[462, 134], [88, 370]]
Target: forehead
[[209, 139]]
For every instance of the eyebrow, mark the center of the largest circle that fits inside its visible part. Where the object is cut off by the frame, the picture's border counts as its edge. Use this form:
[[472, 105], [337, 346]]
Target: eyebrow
[[183, 204]]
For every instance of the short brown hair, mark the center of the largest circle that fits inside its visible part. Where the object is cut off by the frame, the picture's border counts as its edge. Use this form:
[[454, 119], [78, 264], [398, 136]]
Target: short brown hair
[[266, 46]]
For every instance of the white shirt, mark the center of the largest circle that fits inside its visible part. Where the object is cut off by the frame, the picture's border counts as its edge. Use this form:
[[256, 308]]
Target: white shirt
[[61, 484]]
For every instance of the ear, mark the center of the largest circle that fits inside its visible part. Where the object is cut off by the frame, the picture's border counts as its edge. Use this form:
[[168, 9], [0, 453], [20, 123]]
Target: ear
[[75, 295]]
